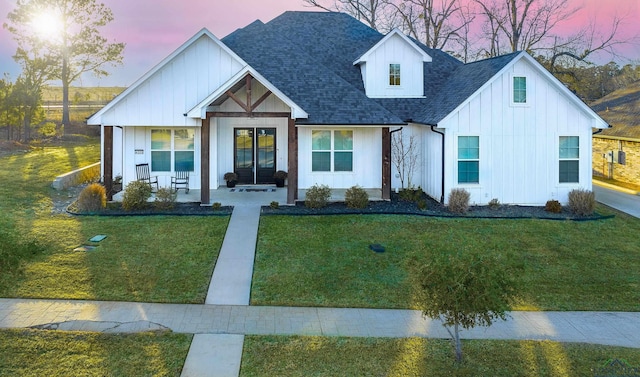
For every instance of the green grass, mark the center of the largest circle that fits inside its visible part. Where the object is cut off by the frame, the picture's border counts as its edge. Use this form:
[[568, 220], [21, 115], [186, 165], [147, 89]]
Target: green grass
[[561, 265], [51, 353], [150, 259], [317, 356]]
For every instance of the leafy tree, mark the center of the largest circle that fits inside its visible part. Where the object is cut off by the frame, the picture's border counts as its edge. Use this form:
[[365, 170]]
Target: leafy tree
[[77, 46], [463, 289]]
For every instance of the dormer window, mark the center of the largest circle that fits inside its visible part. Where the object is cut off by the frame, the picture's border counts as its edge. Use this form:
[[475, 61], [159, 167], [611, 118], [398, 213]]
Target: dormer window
[[394, 74]]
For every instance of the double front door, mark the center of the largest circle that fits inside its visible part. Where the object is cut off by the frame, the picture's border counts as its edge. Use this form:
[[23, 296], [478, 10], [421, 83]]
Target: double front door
[[254, 155]]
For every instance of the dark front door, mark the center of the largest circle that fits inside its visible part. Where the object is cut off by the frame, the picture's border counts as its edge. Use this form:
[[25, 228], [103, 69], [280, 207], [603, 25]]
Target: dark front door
[[255, 155]]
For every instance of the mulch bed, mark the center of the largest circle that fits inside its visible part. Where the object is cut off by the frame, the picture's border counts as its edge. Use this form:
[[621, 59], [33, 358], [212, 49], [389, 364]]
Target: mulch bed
[[433, 209], [395, 206]]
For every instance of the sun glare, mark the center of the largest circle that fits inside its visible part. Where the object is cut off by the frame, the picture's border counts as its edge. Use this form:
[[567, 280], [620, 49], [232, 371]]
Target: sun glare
[[47, 25]]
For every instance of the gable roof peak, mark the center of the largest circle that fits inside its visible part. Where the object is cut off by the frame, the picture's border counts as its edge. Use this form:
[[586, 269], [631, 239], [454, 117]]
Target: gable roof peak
[[395, 32]]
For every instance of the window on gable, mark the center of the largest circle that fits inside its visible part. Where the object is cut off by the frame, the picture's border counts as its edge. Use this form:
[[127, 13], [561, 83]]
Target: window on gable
[[468, 159], [331, 150], [569, 165], [172, 148], [519, 89], [394, 74]]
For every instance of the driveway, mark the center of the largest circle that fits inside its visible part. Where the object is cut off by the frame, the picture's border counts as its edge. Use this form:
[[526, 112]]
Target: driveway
[[621, 201]]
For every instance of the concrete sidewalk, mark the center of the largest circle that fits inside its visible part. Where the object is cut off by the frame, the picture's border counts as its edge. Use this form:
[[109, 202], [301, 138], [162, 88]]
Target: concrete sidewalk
[[607, 328]]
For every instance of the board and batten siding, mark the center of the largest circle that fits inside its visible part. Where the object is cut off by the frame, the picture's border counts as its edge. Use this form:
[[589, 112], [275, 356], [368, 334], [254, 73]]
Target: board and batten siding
[[367, 160], [136, 149], [178, 86], [519, 144], [375, 72]]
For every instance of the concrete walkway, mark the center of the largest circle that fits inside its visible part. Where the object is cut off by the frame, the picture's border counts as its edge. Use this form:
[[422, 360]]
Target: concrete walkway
[[221, 355], [607, 328]]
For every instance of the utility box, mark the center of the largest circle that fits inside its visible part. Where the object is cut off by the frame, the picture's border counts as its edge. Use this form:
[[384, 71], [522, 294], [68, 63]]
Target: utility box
[[622, 158]]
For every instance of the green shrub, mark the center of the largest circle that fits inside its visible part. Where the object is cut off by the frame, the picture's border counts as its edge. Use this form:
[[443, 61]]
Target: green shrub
[[317, 196], [216, 206], [48, 129], [582, 202], [92, 198], [459, 200], [136, 195], [274, 205], [411, 194], [494, 203], [356, 197], [166, 198], [553, 206], [422, 204]]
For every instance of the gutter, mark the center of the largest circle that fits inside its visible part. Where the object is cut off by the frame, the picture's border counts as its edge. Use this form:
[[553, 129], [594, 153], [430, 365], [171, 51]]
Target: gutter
[[601, 129], [442, 160]]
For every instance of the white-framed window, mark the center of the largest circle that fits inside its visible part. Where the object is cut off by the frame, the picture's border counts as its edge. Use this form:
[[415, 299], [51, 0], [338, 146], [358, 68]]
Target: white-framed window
[[331, 150], [519, 89], [569, 164], [394, 74], [468, 159], [172, 149]]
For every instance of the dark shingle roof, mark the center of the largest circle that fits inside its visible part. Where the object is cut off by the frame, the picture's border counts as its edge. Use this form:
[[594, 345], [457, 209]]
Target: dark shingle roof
[[309, 56], [621, 109]]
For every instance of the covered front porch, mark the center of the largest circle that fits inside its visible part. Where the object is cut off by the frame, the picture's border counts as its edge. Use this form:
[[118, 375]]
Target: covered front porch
[[252, 195]]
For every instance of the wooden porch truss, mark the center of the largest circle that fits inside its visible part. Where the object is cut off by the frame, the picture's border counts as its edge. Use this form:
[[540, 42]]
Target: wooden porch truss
[[249, 108]]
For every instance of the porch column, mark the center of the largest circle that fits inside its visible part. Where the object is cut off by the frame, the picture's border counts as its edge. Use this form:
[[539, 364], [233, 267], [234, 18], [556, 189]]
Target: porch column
[[292, 175], [386, 164], [107, 163], [204, 160]]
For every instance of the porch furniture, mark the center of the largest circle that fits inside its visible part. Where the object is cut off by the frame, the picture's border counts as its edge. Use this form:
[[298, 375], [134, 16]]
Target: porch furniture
[[143, 174], [180, 180]]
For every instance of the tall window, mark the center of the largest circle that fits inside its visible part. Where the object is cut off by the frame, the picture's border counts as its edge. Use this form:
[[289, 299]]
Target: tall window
[[332, 150], [172, 148], [468, 159], [519, 89], [394, 74], [569, 159]]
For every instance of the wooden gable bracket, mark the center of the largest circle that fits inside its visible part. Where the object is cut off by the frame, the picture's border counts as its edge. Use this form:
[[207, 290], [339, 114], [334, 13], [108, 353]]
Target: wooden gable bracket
[[248, 106]]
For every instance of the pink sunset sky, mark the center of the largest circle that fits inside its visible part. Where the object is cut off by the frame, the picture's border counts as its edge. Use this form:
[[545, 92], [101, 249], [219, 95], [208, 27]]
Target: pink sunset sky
[[152, 29]]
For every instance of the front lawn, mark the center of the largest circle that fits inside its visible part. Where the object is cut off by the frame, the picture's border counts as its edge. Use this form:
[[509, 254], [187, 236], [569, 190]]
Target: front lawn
[[143, 258], [318, 356], [562, 265], [52, 353]]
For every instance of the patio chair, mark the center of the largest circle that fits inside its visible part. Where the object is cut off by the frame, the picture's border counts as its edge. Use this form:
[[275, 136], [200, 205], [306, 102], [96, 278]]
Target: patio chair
[[142, 174], [180, 180]]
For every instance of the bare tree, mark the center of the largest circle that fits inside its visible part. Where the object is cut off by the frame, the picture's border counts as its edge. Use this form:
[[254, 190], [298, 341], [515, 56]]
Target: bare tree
[[523, 23], [433, 22], [405, 156], [585, 43], [367, 11]]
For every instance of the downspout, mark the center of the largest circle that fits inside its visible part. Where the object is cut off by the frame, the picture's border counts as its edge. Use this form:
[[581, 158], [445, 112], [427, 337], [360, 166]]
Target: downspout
[[442, 160]]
